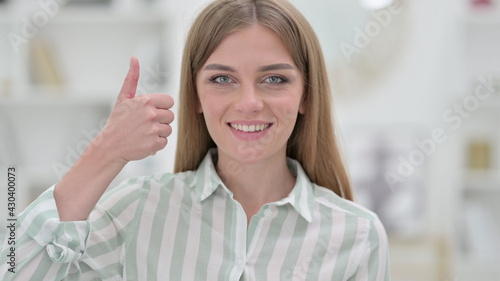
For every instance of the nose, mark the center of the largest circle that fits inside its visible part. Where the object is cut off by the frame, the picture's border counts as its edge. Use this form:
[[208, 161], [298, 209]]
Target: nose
[[249, 100]]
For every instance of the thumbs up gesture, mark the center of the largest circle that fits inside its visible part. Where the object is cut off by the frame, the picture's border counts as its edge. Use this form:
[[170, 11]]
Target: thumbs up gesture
[[138, 126]]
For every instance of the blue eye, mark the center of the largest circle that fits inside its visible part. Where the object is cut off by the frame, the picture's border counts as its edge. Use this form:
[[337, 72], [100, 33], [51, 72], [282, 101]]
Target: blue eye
[[221, 79], [276, 80]]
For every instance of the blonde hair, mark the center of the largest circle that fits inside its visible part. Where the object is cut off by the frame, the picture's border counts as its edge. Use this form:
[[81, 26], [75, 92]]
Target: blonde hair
[[312, 143]]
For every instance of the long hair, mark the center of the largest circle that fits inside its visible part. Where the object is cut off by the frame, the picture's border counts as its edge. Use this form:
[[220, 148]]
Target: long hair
[[312, 143]]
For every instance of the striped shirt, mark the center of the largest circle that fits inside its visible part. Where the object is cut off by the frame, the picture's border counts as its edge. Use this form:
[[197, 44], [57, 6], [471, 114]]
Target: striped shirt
[[187, 226]]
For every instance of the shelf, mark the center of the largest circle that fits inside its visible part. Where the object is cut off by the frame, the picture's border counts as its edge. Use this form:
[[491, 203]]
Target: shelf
[[476, 247], [54, 100], [99, 16], [89, 15]]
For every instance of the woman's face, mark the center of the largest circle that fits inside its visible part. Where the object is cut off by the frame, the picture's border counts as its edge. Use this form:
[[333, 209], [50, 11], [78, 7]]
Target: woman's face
[[250, 93]]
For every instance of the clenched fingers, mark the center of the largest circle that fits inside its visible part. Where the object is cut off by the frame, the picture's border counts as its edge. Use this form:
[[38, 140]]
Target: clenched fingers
[[164, 130], [160, 101], [165, 116]]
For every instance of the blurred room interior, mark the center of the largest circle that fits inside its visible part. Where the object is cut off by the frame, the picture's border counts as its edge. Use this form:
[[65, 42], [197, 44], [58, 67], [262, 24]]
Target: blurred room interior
[[416, 97]]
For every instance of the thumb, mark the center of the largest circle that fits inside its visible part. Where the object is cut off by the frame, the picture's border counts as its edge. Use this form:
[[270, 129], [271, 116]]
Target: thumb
[[130, 84]]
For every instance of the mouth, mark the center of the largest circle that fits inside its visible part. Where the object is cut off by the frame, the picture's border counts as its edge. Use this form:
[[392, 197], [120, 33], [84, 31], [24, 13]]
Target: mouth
[[250, 130], [253, 128]]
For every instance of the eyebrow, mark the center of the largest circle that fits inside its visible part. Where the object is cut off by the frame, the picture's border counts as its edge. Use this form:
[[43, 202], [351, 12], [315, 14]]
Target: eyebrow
[[219, 67], [277, 66], [264, 68]]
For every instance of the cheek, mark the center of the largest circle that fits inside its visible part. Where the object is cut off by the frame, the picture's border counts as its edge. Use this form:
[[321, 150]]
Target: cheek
[[286, 111], [213, 110]]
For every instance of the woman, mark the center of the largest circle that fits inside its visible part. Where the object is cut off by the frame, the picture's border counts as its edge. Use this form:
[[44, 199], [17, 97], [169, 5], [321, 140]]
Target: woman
[[259, 193]]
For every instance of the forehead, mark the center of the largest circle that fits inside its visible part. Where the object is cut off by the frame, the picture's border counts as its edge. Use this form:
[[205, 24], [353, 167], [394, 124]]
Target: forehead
[[255, 44]]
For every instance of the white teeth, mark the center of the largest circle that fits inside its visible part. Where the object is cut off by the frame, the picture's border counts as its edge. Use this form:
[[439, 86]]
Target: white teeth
[[250, 128]]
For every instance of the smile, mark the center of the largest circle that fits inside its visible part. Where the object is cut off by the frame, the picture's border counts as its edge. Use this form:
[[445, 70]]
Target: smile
[[250, 128]]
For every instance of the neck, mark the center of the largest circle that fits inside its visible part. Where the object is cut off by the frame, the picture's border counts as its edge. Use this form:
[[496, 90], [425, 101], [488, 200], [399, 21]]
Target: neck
[[256, 184]]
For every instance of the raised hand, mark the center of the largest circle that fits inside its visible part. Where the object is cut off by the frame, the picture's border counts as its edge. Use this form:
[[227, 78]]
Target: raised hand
[[138, 125]]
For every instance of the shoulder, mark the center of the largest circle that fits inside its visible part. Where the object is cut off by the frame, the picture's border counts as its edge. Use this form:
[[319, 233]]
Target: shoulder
[[330, 200], [354, 215], [360, 226], [327, 204]]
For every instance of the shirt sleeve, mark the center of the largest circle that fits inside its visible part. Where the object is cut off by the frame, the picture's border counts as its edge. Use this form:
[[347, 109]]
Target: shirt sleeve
[[374, 264], [48, 249]]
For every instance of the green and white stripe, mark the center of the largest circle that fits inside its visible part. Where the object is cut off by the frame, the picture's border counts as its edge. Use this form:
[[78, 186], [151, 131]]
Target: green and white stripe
[[187, 226]]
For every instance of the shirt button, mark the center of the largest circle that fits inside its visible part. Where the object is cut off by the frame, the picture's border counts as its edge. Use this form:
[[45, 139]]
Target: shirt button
[[267, 212]]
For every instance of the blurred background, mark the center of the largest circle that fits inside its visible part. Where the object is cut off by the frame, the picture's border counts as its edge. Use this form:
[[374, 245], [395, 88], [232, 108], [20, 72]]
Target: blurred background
[[416, 94]]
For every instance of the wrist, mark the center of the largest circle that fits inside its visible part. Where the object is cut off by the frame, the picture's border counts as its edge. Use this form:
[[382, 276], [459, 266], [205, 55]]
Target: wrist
[[104, 153]]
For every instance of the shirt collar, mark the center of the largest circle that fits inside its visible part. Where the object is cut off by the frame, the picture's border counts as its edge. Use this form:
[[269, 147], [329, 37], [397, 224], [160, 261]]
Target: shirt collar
[[301, 197]]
